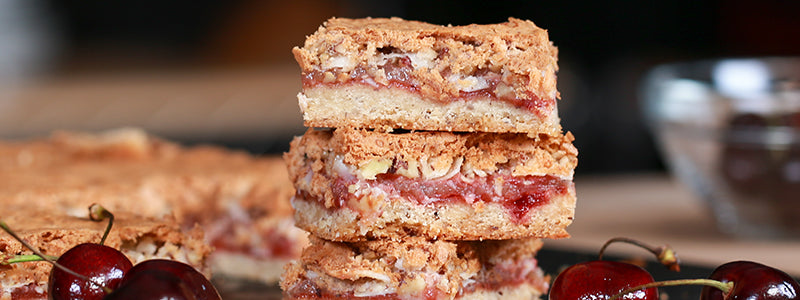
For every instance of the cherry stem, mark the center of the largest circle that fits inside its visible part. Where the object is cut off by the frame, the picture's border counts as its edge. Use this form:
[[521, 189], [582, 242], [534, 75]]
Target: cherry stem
[[12, 259], [665, 254], [98, 213], [47, 258], [725, 287]]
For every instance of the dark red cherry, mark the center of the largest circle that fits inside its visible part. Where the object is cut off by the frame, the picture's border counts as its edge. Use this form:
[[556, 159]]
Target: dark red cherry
[[103, 264], [200, 286], [752, 280], [601, 279], [152, 284]]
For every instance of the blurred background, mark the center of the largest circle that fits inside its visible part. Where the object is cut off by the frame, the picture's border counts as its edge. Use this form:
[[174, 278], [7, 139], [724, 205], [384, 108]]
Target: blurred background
[[212, 71]]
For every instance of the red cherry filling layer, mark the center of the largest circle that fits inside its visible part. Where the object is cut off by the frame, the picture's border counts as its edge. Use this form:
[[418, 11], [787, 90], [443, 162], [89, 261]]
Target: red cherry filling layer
[[308, 290], [30, 291], [400, 74], [271, 244], [518, 194]]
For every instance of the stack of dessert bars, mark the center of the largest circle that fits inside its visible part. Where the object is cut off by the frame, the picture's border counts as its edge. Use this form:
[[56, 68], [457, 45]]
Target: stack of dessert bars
[[435, 162]]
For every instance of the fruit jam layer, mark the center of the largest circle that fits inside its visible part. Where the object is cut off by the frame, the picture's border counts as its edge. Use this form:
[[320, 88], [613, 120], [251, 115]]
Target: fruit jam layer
[[484, 84], [269, 245], [240, 234], [510, 273], [308, 290], [517, 194], [27, 292]]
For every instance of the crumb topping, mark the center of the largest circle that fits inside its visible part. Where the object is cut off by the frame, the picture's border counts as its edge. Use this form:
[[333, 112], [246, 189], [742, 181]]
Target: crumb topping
[[430, 155], [515, 58], [128, 170]]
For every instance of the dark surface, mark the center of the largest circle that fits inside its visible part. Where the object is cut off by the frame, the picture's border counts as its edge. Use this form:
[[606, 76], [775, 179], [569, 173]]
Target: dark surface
[[551, 261]]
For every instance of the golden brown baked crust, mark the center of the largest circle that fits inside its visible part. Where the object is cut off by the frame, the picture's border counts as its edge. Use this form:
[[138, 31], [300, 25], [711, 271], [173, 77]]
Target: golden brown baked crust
[[132, 171], [412, 268], [241, 201], [351, 185], [518, 47], [433, 153], [54, 232], [481, 64]]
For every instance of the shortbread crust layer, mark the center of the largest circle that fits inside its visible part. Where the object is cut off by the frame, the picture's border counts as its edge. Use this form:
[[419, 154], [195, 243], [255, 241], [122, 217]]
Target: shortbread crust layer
[[358, 184], [400, 219], [361, 106]]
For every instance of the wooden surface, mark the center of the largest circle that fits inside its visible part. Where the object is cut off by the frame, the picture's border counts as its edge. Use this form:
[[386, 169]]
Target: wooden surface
[[200, 106], [658, 210]]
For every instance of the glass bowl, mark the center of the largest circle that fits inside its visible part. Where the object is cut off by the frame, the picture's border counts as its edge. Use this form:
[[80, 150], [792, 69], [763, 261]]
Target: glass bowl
[[730, 130]]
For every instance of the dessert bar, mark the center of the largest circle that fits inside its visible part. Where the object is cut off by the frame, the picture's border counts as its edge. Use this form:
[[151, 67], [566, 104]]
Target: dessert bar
[[240, 201], [391, 73], [356, 184], [417, 269]]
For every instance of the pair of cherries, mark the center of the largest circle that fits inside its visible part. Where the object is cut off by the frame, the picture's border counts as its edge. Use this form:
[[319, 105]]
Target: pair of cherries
[[112, 276], [601, 279], [95, 271]]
